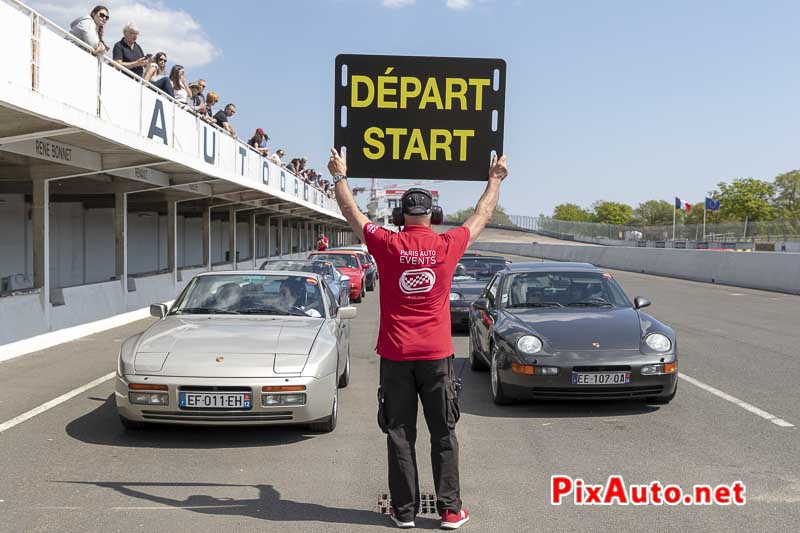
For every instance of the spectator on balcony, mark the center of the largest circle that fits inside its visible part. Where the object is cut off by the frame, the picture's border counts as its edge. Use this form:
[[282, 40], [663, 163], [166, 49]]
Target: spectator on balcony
[[294, 166], [259, 142], [127, 51], [90, 29], [177, 77], [211, 100], [276, 157], [197, 101], [221, 118], [157, 74]]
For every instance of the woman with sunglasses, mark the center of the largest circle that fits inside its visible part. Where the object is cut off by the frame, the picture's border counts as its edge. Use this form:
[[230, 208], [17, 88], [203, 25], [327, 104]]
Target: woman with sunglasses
[[89, 29], [156, 74], [180, 86]]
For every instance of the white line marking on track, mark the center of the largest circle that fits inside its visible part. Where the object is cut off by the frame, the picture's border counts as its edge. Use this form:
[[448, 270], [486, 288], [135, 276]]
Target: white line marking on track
[[744, 405], [54, 402]]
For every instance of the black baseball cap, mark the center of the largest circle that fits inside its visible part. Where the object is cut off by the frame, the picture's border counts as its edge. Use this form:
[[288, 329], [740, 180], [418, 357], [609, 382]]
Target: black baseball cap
[[416, 202]]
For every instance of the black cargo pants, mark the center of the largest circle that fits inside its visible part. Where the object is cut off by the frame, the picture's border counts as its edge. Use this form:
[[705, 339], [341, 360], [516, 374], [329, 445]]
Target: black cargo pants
[[434, 382]]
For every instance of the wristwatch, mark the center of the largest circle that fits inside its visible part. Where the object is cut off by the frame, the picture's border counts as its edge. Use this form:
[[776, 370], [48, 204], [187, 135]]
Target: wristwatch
[[338, 177]]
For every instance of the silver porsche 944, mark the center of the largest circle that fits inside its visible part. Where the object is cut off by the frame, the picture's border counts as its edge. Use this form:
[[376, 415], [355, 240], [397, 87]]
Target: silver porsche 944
[[239, 348]]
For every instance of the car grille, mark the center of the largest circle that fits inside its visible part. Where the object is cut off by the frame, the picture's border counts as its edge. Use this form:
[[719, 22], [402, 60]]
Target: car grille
[[218, 416], [209, 388], [596, 392], [620, 368]]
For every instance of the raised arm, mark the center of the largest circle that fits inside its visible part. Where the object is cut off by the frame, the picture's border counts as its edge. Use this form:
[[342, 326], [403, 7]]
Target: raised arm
[[488, 202], [344, 196]]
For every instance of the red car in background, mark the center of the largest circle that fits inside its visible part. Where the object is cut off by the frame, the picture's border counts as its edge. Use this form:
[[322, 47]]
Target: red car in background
[[348, 263]]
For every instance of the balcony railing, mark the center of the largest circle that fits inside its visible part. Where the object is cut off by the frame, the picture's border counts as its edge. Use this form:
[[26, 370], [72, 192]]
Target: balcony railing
[[47, 60]]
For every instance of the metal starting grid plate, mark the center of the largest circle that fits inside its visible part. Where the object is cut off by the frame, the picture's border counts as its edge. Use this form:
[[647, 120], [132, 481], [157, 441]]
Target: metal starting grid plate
[[427, 503]]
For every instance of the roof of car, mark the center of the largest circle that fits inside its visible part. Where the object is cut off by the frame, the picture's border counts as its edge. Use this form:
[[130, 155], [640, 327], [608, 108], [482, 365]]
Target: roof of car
[[336, 251], [259, 273], [540, 266], [482, 257]]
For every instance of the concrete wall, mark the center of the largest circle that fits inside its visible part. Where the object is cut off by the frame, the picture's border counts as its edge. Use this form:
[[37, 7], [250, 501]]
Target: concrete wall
[[758, 270], [16, 251]]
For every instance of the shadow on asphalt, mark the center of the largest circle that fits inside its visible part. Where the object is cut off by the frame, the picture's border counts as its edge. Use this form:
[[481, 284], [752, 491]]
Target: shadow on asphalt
[[101, 426], [267, 506], [476, 399]]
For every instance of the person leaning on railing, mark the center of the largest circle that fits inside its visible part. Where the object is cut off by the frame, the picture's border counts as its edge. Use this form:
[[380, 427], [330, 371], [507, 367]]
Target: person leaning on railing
[[128, 53], [157, 74], [221, 118], [259, 142], [180, 87], [90, 29]]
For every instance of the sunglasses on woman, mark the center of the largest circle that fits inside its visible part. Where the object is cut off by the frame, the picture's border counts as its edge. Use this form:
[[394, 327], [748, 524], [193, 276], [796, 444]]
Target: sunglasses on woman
[[103, 16]]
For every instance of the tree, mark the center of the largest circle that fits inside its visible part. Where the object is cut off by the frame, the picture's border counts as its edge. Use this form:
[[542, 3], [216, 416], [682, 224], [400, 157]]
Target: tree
[[571, 212], [746, 198], [499, 217], [613, 213], [654, 213], [787, 198]]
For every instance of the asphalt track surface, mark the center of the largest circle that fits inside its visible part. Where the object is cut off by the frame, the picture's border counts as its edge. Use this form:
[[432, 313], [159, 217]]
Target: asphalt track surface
[[73, 468]]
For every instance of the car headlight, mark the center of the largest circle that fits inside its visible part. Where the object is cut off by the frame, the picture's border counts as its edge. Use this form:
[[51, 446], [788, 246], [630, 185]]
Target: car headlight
[[658, 342], [454, 296], [529, 344]]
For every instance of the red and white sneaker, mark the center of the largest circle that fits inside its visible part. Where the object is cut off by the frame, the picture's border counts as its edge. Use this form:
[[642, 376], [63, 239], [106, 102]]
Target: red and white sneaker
[[451, 520], [400, 523]]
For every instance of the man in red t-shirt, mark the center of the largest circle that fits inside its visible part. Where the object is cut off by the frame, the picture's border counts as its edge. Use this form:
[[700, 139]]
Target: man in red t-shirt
[[322, 243], [414, 341]]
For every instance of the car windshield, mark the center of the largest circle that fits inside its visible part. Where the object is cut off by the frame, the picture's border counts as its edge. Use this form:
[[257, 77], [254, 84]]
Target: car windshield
[[479, 268], [252, 294], [562, 289], [317, 267], [339, 260]]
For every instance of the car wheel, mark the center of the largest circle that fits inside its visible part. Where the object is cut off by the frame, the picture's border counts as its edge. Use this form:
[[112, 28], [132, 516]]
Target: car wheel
[[132, 425], [344, 380], [360, 297], [498, 396], [330, 423], [475, 361], [663, 400]]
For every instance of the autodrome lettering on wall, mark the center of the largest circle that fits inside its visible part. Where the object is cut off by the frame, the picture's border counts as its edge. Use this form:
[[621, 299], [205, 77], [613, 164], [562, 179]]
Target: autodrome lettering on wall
[[165, 125], [409, 117]]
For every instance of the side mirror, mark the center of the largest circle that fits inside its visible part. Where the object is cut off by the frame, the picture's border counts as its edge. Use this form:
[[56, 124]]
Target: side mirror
[[365, 266], [158, 310], [346, 313], [640, 302], [481, 304]]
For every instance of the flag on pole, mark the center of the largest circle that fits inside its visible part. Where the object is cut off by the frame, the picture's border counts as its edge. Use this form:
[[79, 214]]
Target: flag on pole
[[685, 206], [711, 204]]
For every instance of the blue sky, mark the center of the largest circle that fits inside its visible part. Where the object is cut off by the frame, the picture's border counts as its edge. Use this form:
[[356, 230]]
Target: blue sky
[[615, 100]]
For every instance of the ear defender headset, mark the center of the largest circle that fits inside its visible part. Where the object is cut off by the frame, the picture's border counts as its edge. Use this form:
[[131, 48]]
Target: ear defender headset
[[435, 211]]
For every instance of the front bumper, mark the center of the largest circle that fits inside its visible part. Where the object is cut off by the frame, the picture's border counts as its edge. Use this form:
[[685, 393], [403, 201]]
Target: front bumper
[[319, 401], [560, 387]]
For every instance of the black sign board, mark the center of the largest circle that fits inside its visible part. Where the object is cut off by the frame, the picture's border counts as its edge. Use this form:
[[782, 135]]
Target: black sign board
[[419, 117]]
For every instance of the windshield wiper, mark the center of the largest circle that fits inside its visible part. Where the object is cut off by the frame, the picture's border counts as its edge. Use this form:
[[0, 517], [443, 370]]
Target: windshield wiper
[[206, 311], [589, 304], [537, 304], [269, 310]]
